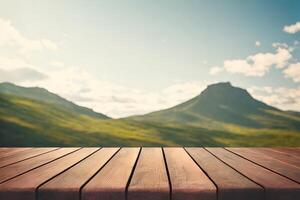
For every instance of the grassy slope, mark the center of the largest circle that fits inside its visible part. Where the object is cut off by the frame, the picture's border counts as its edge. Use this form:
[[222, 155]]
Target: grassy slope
[[27, 122], [221, 105], [41, 94]]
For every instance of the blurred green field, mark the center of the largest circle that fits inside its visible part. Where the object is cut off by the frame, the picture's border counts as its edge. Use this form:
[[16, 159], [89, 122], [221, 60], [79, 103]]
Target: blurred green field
[[27, 122]]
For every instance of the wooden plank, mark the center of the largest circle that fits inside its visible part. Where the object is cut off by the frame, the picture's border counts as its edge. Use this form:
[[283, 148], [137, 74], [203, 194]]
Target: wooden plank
[[284, 157], [24, 187], [291, 151], [11, 151], [282, 168], [4, 148], [149, 180], [23, 155], [67, 185], [276, 187], [18, 168], [110, 183], [231, 184], [188, 181]]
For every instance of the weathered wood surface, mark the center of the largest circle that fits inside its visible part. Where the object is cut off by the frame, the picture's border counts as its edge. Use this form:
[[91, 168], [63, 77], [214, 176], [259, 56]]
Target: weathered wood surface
[[276, 187], [231, 184], [188, 181], [150, 179], [150, 173], [110, 183]]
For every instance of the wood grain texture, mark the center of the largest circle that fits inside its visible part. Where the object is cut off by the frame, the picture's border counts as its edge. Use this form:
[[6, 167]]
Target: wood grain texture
[[284, 157], [23, 155], [276, 187], [231, 184], [110, 183], [66, 186], [23, 187], [187, 179], [264, 160], [5, 149], [18, 168], [150, 173], [149, 180], [291, 151], [5, 152]]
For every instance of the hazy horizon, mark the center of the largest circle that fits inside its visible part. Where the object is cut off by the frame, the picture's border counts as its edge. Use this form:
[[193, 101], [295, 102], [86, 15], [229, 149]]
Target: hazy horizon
[[165, 108], [134, 57]]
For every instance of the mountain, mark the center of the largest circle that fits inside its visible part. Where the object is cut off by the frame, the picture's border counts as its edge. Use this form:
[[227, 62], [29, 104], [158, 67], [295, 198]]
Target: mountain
[[222, 103], [222, 115], [41, 94], [28, 122]]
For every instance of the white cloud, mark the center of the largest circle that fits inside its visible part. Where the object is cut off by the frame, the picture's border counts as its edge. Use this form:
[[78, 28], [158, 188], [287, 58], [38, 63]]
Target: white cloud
[[10, 36], [57, 64], [79, 86], [280, 97], [21, 74], [215, 70], [119, 101], [292, 29], [293, 71], [17, 70], [283, 46], [257, 43], [13, 63], [112, 99], [258, 64], [180, 92], [280, 45], [48, 44]]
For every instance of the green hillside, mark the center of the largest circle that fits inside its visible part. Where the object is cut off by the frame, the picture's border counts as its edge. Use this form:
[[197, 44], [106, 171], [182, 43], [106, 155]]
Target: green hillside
[[220, 105], [41, 94], [27, 122], [34, 120]]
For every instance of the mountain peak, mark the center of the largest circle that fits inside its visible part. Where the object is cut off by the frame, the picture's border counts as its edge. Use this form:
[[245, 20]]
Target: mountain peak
[[219, 102], [219, 91], [220, 84]]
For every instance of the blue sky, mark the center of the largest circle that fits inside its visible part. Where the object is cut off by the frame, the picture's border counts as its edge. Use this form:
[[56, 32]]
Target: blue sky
[[135, 56]]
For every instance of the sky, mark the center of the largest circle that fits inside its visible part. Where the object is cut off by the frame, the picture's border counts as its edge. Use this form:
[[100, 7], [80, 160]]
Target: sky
[[131, 57]]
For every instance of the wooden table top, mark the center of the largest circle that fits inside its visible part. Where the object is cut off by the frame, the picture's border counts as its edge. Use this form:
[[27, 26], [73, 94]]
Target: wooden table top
[[150, 173]]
